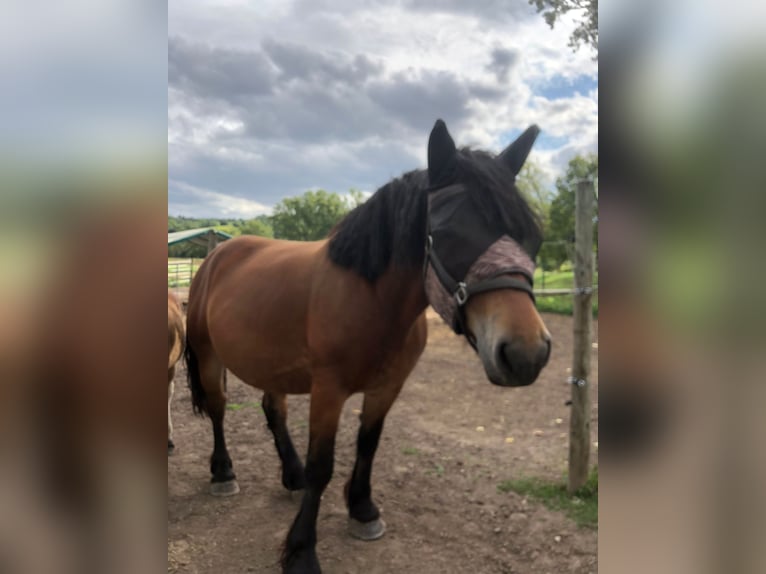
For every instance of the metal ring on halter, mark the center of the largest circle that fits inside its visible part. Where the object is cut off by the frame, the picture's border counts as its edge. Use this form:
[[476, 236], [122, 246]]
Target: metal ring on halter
[[461, 295]]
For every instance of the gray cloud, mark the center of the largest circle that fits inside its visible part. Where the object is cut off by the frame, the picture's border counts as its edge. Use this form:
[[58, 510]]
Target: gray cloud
[[218, 72], [484, 9], [415, 100], [486, 92], [297, 62], [283, 174], [503, 62], [493, 10], [283, 90], [313, 112], [289, 92]]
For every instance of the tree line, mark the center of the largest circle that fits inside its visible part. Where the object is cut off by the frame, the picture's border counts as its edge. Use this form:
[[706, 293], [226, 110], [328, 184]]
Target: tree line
[[312, 215]]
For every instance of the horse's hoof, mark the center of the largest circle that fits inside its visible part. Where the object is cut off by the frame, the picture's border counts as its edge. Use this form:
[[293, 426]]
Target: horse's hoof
[[294, 481], [171, 448], [301, 563], [366, 530], [228, 488]]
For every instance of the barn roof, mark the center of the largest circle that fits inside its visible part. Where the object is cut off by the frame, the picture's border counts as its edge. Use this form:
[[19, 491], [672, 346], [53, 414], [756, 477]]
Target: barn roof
[[198, 236]]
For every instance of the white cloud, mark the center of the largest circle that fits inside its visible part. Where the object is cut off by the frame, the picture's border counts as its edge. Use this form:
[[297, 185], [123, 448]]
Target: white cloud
[[201, 202]]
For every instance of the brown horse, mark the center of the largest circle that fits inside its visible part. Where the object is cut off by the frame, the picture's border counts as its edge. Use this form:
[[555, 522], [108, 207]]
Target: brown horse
[[175, 352], [347, 315]]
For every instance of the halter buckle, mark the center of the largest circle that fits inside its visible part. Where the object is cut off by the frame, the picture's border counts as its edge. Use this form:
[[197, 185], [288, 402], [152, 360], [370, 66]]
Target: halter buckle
[[461, 294]]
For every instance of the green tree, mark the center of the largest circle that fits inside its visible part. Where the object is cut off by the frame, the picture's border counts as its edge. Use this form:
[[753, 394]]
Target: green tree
[[355, 198], [586, 32], [182, 223], [560, 230], [531, 184], [308, 217], [231, 228], [257, 226], [186, 249]]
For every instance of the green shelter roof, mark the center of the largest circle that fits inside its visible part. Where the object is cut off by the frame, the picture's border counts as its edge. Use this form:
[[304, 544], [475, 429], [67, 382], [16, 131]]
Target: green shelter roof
[[198, 236]]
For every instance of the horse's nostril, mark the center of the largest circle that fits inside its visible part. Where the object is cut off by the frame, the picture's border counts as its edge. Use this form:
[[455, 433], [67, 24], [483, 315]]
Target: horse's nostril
[[520, 363], [503, 360]]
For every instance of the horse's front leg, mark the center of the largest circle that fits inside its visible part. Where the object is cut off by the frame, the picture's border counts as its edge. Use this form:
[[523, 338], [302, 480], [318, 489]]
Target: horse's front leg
[[364, 516], [327, 399]]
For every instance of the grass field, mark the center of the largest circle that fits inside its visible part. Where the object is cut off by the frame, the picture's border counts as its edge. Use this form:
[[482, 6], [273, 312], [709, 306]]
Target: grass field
[[559, 280], [582, 507]]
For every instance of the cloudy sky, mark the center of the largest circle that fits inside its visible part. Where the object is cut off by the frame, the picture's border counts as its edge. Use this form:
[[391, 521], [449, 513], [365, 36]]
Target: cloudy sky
[[270, 98]]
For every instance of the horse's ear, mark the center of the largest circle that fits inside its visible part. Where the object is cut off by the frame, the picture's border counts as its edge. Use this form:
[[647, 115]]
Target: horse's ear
[[441, 153], [516, 153]]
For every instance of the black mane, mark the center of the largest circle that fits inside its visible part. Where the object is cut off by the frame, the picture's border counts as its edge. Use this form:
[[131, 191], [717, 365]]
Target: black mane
[[390, 227]]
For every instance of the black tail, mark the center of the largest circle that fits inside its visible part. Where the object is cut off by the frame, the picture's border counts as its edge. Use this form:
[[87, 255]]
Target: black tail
[[195, 382]]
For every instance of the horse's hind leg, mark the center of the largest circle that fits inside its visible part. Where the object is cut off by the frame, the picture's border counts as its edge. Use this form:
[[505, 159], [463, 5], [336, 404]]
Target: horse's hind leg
[[171, 445], [207, 383], [275, 408], [364, 516], [224, 481]]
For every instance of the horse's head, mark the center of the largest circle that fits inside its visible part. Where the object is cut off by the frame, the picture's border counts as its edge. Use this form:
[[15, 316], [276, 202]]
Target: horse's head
[[482, 240]]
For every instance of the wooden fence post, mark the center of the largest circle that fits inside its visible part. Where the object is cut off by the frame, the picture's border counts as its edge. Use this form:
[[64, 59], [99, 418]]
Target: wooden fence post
[[579, 421]]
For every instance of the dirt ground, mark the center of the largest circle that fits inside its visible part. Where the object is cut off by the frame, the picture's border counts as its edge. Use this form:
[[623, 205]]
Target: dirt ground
[[445, 448]]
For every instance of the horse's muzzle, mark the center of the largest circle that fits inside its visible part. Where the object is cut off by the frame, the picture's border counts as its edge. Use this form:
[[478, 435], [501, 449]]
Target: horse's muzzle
[[517, 364]]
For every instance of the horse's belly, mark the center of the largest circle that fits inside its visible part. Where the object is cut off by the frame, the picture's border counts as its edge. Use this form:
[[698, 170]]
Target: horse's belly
[[271, 374], [262, 344]]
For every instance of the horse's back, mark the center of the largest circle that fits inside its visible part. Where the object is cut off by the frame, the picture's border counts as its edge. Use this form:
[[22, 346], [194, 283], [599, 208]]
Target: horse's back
[[249, 267], [249, 253]]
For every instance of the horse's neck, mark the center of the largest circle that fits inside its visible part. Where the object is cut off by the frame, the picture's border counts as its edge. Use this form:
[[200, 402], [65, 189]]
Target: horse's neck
[[403, 291], [403, 288]]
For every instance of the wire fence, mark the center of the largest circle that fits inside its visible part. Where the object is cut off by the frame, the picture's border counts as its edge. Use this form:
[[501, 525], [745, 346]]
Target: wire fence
[[181, 271]]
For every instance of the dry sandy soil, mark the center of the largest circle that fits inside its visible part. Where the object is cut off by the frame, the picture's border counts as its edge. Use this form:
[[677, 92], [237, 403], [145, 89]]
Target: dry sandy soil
[[445, 448]]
